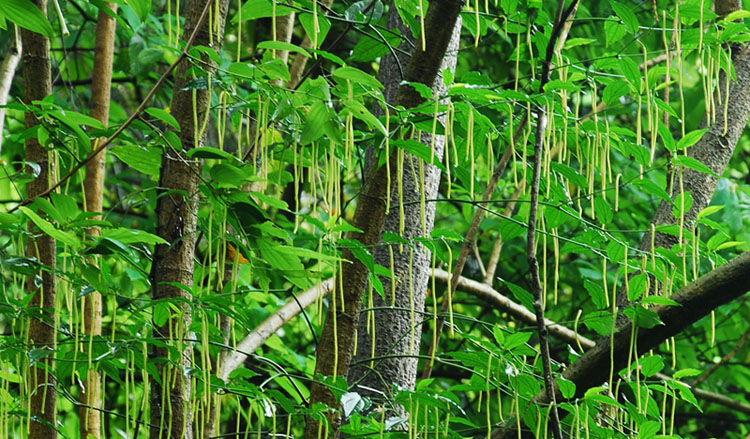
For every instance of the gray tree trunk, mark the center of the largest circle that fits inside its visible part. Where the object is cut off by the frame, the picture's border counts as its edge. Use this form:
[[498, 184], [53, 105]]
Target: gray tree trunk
[[397, 331]]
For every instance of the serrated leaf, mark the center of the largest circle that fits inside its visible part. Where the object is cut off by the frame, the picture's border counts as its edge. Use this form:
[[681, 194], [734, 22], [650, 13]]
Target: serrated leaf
[[690, 139]]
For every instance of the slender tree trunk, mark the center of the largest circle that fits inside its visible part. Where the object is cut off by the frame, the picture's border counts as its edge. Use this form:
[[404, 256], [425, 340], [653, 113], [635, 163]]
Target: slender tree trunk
[[7, 72], [336, 345], [176, 222], [396, 332], [101, 85], [42, 381]]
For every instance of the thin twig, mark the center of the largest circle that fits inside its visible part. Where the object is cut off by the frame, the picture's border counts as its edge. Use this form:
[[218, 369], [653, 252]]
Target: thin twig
[[536, 285]]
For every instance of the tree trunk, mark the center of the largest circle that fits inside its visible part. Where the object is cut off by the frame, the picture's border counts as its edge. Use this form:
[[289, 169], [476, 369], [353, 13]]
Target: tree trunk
[[42, 383], [176, 214], [90, 425], [336, 346], [396, 332]]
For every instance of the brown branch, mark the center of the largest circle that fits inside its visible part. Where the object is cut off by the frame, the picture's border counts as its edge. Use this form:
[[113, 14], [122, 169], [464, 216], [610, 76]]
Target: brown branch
[[724, 360], [270, 325]]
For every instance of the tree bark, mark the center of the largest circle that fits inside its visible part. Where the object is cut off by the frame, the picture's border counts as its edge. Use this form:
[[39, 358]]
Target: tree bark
[[397, 332], [101, 85], [42, 383], [337, 345], [176, 214]]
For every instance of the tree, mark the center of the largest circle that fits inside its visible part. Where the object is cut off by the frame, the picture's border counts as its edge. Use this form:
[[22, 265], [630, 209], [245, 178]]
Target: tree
[[285, 190]]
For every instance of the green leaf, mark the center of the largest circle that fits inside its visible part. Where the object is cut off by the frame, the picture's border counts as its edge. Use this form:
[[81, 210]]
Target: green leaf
[[275, 69], [626, 15], [523, 296], [140, 7], [254, 9], [688, 372], [614, 31], [599, 322], [651, 365], [666, 137], [361, 112], [637, 286], [143, 159], [516, 339], [567, 387], [659, 300], [47, 227], [161, 313], [277, 258], [596, 292], [207, 152], [281, 45], [708, 211], [357, 76], [736, 15], [652, 188], [603, 210], [131, 236], [693, 163], [26, 15], [682, 203], [630, 69], [615, 91], [690, 139], [308, 24], [315, 122], [306, 253], [369, 48], [226, 175], [645, 318], [648, 429], [559, 84], [163, 116], [418, 149]]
